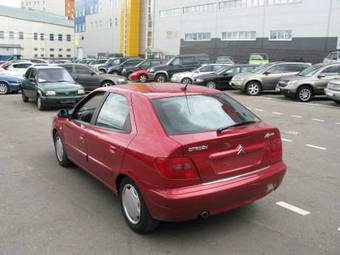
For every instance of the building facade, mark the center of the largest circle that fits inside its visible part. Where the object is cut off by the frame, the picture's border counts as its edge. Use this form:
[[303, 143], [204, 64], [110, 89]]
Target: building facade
[[59, 7], [284, 29], [35, 34]]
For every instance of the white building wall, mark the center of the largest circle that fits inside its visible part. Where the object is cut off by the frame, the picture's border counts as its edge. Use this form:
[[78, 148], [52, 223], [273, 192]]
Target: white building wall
[[52, 6], [37, 48]]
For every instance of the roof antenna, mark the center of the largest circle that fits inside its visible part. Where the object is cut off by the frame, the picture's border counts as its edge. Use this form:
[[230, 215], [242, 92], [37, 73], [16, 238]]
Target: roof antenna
[[186, 85]]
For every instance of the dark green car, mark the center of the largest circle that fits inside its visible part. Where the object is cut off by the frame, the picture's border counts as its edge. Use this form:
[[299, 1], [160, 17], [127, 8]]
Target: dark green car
[[51, 87]]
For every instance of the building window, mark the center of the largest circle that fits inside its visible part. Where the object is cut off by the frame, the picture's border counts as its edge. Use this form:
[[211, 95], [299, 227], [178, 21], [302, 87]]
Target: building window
[[275, 2], [68, 55], [60, 49], [239, 36], [42, 55], [280, 35], [200, 8], [42, 49], [171, 12], [35, 36], [60, 37], [230, 4], [68, 38], [11, 34], [51, 37], [68, 50], [51, 49], [21, 35], [42, 36], [60, 56], [35, 49], [198, 36], [2, 34], [51, 55]]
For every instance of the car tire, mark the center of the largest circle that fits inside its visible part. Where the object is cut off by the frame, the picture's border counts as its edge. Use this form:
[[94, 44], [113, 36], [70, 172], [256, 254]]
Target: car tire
[[186, 81], [107, 84], [253, 88], [161, 77], [211, 85], [3, 88], [304, 94], [25, 99], [134, 208], [143, 78], [336, 101], [40, 104], [60, 152]]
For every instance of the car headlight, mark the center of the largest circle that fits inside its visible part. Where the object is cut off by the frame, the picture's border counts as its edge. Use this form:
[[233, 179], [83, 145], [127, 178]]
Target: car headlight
[[292, 83], [151, 70], [237, 78], [121, 80], [50, 93], [199, 80], [81, 91]]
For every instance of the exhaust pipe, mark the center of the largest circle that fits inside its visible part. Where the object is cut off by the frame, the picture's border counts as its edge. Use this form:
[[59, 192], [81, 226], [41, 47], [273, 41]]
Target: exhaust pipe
[[204, 215]]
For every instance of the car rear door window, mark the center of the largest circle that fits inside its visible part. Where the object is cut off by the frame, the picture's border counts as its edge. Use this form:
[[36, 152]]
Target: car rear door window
[[207, 68], [81, 70], [114, 114], [200, 113], [332, 70], [85, 111], [22, 66]]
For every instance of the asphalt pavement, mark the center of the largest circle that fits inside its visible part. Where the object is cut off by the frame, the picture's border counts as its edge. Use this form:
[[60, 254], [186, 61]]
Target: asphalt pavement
[[46, 209]]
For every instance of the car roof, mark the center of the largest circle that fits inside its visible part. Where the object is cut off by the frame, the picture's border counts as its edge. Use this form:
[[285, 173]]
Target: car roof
[[48, 67], [157, 90]]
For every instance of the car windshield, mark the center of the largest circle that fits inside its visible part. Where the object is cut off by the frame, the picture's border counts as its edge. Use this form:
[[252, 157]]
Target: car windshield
[[200, 113], [310, 71], [260, 69], [54, 75]]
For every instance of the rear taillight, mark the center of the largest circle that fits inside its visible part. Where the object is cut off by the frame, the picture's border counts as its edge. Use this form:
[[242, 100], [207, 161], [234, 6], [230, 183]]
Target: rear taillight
[[276, 147], [177, 168]]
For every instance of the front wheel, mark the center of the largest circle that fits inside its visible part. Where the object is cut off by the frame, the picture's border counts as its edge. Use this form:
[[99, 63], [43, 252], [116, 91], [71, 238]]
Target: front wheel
[[107, 84], [134, 208], [161, 77], [253, 88], [40, 104], [3, 88], [143, 78], [24, 97], [186, 81], [304, 94], [211, 85], [60, 152]]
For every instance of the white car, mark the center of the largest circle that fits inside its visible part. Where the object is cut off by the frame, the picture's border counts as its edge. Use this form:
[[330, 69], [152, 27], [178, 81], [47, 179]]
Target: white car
[[17, 69], [188, 77]]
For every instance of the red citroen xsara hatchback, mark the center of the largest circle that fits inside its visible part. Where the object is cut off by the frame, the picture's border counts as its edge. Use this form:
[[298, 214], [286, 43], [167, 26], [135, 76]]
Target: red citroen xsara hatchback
[[170, 153]]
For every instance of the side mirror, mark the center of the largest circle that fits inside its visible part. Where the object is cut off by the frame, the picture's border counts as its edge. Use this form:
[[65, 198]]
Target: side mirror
[[266, 73], [63, 113], [320, 76], [92, 73]]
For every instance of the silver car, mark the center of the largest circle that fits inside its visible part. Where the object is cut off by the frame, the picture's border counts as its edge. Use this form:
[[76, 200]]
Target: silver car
[[333, 90], [309, 82], [266, 77], [188, 77]]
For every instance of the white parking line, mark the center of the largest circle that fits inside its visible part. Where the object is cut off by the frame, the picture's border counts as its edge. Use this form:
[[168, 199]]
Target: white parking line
[[311, 104], [286, 140], [293, 208], [269, 98], [259, 110], [316, 147], [338, 123], [277, 113], [318, 120], [296, 116], [338, 229], [291, 132]]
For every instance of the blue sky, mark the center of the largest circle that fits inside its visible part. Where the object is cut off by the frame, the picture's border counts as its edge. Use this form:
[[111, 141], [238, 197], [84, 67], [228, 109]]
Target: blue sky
[[13, 3]]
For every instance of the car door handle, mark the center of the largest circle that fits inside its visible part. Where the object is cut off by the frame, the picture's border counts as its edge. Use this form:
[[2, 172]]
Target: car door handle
[[113, 149], [82, 139]]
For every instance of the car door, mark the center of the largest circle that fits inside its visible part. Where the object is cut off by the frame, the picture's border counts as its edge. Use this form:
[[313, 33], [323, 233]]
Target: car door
[[29, 84], [225, 78], [272, 76], [87, 77], [75, 130], [109, 137], [325, 76]]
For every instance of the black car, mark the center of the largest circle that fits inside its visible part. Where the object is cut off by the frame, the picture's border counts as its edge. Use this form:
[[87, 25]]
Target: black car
[[145, 64], [111, 62], [177, 64], [90, 78], [117, 69], [221, 78]]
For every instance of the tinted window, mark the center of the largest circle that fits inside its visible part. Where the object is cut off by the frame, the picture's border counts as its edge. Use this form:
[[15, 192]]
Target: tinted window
[[176, 61], [155, 62], [247, 69], [332, 70], [200, 113], [296, 67], [279, 69], [54, 75], [115, 113], [86, 110], [81, 70], [28, 72], [232, 71], [189, 60], [23, 66], [207, 68], [33, 74]]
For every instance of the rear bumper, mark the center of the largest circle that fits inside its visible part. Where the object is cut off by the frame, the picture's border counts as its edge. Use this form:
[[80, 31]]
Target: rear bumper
[[216, 197], [333, 94]]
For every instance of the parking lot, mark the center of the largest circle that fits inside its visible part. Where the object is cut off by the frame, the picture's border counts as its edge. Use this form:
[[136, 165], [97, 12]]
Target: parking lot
[[47, 209]]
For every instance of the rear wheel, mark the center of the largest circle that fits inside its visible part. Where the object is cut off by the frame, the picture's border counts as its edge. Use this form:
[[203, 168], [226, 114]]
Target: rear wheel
[[304, 94], [40, 104], [143, 78], [186, 81], [161, 77], [24, 97], [253, 88], [60, 152], [3, 88], [134, 208], [107, 84], [211, 85]]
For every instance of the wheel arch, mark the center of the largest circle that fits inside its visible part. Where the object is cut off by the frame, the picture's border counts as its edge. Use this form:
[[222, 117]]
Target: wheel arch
[[106, 80], [162, 72], [305, 85]]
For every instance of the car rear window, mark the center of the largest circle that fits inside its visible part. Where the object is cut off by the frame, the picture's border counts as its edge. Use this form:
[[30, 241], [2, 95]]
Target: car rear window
[[200, 113]]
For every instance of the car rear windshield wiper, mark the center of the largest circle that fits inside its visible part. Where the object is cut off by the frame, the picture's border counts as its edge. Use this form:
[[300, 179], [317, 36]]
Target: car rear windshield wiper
[[220, 130]]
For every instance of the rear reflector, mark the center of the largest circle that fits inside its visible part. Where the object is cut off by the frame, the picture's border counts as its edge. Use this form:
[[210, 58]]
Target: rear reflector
[[177, 168], [276, 148]]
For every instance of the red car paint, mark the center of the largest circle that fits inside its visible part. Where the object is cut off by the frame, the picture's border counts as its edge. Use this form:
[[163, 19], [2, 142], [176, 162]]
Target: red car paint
[[135, 75], [218, 179]]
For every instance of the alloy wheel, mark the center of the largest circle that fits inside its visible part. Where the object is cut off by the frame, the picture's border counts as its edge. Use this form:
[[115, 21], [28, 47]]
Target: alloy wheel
[[59, 148], [161, 78], [3, 89], [305, 94], [131, 204], [187, 81], [107, 84], [211, 85], [39, 104], [143, 78], [253, 89]]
